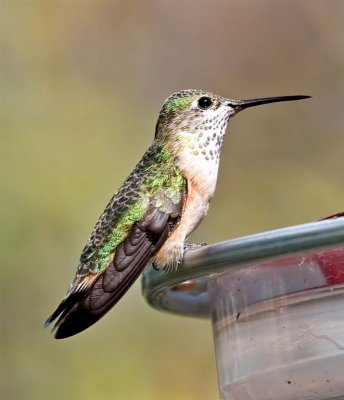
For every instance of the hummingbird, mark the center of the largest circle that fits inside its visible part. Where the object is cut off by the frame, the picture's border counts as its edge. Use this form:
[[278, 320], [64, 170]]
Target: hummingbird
[[158, 206]]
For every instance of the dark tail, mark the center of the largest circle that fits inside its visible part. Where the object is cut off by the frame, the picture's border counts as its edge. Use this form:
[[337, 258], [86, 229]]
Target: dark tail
[[82, 309]]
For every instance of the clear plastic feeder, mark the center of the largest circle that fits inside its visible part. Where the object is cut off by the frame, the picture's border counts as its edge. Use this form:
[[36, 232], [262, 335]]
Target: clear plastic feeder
[[276, 302]]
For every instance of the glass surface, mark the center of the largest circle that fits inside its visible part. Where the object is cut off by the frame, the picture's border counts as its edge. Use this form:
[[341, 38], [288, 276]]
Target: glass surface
[[279, 328], [276, 302]]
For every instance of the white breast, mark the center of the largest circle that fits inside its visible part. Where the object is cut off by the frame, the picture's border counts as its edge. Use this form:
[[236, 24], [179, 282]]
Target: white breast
[[198, 156]]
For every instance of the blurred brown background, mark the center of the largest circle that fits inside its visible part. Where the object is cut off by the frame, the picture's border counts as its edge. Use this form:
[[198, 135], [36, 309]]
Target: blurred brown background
[[82, 83]]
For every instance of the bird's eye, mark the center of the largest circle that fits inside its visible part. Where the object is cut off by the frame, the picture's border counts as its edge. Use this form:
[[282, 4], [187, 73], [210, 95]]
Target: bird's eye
[[204, 103]]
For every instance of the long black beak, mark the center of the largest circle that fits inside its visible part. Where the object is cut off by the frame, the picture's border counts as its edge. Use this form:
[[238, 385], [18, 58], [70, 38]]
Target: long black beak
[[265, 100]]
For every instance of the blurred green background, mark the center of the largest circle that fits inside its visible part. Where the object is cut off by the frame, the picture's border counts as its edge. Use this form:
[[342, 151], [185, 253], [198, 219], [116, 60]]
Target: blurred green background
[[82, 83]]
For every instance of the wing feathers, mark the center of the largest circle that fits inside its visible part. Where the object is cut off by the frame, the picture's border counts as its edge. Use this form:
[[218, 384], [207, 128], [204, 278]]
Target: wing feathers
[[82, 309], [126, 251]]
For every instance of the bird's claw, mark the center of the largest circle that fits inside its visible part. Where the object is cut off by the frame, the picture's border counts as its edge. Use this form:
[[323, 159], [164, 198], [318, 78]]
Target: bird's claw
[[155, 266], [186, 247], [193, 246]]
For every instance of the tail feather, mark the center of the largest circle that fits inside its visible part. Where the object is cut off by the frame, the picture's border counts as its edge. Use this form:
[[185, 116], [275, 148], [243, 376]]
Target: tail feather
[[82, 309], [65, 305]]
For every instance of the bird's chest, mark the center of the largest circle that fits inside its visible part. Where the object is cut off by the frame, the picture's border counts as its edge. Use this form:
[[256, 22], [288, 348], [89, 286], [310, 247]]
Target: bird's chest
[[199, 160]]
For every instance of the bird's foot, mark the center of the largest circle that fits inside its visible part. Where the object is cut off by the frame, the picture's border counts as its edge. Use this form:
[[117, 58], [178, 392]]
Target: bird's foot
[[156, 266], [193, 246], [176, 260]]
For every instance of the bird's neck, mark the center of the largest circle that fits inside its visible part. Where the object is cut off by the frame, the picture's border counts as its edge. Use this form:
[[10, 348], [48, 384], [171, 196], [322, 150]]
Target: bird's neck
[[198, 158]]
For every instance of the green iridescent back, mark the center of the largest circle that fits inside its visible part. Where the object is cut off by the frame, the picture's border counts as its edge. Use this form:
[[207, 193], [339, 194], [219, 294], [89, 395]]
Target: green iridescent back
[[155, 182]]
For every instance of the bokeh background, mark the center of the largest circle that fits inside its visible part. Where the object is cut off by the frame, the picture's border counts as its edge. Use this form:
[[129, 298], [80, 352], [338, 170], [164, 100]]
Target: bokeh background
[[82, 83]]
